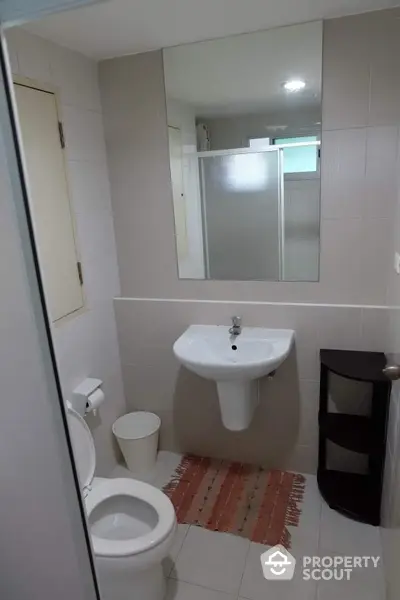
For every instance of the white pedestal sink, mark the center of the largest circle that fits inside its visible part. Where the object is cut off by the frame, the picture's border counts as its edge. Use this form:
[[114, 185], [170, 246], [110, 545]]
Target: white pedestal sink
[[234, 363]]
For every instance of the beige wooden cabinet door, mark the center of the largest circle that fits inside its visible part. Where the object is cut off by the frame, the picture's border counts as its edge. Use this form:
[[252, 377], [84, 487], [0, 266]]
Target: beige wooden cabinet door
[[48, 193]]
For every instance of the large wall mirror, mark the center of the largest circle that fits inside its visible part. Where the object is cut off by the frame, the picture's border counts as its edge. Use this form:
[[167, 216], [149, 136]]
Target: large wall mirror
[[244, 124]]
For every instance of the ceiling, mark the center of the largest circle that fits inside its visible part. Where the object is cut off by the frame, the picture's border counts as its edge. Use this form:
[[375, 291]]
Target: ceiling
[[244, 73], [119, 27]]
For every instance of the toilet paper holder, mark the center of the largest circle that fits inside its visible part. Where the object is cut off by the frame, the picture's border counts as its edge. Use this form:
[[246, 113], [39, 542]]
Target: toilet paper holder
[[82, 393]]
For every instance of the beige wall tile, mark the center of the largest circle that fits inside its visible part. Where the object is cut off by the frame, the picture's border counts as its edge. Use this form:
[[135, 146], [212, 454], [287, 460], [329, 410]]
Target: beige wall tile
[[381, 172], [352, 184], [376, 259], [285, 427], [375, 329], [346, 73], [340, 260], [385, 78], [343, 173], [86, 345]]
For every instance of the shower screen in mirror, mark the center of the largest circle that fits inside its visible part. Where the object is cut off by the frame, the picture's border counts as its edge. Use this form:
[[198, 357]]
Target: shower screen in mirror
[[244, 126]]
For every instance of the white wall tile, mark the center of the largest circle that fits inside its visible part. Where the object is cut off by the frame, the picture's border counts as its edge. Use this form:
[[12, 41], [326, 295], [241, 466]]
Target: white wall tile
[[385, 79], [84, 136], [346, 73], [374, 329], [343, 173], [308, 362], [89, 185], [76, 77], [86, 345], [341, 329], [309, 397], [147, 391], [353, 185], [303, 460], [381, 172], [289, 404], [375, 259], [33, 54], [341, 249], [95, 235]]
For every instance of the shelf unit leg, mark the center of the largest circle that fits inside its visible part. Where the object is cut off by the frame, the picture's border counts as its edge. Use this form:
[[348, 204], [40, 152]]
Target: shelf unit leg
[[323, 409], [376, 460]]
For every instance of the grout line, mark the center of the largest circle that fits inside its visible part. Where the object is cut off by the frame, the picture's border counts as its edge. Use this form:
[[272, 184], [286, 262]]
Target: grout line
[[244, 568], [200, 585], [177, 555]]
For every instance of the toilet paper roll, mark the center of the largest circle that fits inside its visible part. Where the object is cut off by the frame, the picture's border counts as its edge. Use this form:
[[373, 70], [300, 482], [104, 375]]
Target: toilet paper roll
[[95, 400]]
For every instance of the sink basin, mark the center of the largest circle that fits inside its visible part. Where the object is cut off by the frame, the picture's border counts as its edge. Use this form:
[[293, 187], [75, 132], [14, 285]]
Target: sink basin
[[211, 352], [235, 363]]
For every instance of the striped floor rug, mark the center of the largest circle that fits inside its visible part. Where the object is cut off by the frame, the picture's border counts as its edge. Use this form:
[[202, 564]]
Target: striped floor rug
[[237, 498]]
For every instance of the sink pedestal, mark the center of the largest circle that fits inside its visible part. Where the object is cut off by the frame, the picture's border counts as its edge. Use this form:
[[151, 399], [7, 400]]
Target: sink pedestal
[[237, 400], [236, 366]]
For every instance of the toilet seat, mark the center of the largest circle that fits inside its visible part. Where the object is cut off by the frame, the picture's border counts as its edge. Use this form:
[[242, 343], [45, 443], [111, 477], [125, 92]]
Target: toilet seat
[[150, 543], [137, 490]]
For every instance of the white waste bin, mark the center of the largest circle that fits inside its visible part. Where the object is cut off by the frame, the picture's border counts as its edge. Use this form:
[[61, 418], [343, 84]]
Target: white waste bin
[[137, 434]]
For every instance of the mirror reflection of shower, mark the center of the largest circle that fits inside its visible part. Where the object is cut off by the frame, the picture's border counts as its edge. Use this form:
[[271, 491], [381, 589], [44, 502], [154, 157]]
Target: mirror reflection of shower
[[245, 135], [243, 212]]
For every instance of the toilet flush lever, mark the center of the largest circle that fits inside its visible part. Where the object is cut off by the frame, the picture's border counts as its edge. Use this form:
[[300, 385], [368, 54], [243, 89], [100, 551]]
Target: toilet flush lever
[[392, 372]]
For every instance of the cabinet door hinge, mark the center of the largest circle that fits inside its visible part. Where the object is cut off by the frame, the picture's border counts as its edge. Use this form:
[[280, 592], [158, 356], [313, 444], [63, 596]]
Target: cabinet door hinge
[[80, 273], [61, 132]]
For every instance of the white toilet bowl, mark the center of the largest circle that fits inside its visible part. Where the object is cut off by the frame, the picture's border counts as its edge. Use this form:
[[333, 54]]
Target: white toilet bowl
[[132, 525]]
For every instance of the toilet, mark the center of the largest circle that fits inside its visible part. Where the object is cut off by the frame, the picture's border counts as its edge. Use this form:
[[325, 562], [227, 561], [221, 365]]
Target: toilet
[[132, 525]]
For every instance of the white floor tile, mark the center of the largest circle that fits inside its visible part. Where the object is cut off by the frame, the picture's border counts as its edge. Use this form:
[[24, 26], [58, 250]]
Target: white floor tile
[[179, 590], [345, 536], [169, 562], [165, 467], [364, 584], [208, 565], [212, 558], [255, 587]]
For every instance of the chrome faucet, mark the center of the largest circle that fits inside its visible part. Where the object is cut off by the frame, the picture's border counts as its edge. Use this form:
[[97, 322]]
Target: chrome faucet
[[236, 328]]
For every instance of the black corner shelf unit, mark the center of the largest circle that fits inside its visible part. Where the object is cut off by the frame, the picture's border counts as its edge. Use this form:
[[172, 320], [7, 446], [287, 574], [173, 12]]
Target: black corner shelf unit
[[354, 495]]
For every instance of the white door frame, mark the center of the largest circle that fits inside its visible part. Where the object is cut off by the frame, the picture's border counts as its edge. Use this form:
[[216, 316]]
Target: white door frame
[[46, 547]]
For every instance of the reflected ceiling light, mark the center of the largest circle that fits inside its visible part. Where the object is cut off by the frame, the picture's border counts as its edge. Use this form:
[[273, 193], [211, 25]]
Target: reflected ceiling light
[[294, 85]]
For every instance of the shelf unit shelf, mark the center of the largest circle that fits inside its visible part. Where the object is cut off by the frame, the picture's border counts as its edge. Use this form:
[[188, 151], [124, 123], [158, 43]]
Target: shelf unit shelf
[[354, 495], [348, 431]]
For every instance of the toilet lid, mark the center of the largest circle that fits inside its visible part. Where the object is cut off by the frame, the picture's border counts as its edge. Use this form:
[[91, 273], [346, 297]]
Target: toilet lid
[[83, 446]]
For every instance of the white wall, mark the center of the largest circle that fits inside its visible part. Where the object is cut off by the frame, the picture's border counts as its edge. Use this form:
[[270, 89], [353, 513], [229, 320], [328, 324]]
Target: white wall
[[182, 116], [284, 431], [86, 345], [44, 553], [235, 131], [360, 126]]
